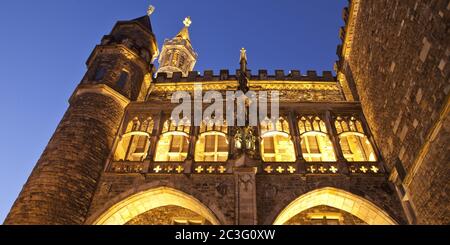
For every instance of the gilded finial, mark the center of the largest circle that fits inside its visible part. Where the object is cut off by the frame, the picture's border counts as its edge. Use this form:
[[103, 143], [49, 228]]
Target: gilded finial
[[187, 21], [150, 10]]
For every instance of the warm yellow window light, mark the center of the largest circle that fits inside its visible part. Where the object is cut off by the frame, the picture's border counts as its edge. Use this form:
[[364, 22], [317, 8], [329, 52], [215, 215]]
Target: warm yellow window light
[[355, 145], [173, 144], [135, 142], [212, 144], [276, 144], [315, 141]]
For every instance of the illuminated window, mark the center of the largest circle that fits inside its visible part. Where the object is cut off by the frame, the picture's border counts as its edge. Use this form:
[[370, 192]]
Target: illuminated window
[[315, 141], [325, 219], [134, 143], [355, 145], [188, 221], [212, 145], [173, 144], [276, 144]]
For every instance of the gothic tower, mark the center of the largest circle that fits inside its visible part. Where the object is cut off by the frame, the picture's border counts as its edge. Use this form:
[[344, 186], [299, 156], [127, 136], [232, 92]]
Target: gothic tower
[[63, 182], [177, 54]]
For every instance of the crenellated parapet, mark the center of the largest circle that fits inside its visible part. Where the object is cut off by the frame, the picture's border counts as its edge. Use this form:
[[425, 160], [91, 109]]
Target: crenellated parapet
[[262, 75], [293, 85]]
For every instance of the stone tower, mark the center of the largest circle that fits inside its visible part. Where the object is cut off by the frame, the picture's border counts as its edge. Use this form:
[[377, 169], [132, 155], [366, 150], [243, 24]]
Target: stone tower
[[177, 54], [62, 184], [410, 118]]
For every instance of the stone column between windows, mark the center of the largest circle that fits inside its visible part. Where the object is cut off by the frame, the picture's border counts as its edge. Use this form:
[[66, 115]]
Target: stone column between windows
[[342, 162], [300, 162], [245, 195], [157, 128], [190, 159]]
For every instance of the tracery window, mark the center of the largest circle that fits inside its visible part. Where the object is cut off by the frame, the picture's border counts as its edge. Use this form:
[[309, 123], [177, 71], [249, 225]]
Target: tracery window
[[315, 141], [135, 142], [212, 144], [167, 59], [276, 144], [355, 145], [175, 58], [182, 61], [173, 144]]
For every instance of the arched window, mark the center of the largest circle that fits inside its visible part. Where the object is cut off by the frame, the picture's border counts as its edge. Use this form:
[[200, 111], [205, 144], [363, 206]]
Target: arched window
[[175, 58], [173, 144], [167, 59], [134, 143], [355, 145], [182, 61], [100, 73], [315, 141], [212, 144], [276, 144], [123, 79]]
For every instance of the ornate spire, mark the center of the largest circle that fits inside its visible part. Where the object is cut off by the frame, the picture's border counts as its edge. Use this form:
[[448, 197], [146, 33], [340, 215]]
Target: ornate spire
[[184, 33], [177, 54]]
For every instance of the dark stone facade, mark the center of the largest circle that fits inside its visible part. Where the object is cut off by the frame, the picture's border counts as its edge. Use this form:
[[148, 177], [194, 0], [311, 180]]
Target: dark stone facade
[[399, 63]]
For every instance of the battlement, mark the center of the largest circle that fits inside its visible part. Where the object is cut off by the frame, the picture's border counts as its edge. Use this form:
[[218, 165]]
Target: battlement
[[263, 75]]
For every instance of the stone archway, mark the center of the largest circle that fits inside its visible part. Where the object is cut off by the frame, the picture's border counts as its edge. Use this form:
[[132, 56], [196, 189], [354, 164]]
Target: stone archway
[[336, 198], [139, 203]]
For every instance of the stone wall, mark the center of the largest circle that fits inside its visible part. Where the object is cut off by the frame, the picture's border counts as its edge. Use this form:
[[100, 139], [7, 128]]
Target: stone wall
[[399, 62], [61, 186]]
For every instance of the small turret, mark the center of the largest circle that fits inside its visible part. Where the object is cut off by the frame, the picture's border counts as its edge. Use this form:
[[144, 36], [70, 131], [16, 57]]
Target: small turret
[[177, 54]]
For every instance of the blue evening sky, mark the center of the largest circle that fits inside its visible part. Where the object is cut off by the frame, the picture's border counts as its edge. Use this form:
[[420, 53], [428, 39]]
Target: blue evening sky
[[44, 45]]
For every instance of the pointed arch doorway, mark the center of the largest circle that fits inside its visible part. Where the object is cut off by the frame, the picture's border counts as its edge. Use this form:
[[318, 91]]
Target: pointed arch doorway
[[350, 203]]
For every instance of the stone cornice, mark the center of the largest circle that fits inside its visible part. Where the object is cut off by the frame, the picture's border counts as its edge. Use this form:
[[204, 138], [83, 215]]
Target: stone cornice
[[100, 89], [118, 49], [254, 85]]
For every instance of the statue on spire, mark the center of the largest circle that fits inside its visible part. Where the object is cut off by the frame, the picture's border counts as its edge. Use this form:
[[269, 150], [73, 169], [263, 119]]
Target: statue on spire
[[243, 60], [243, 79], [243, 54]]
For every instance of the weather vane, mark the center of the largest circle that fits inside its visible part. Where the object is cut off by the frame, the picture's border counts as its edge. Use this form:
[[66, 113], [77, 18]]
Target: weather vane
[[150, 10], [187, 21]]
